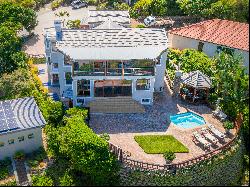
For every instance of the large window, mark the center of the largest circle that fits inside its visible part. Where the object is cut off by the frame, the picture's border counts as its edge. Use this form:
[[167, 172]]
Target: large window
[[83, 88], [143, 84], [68, 78]]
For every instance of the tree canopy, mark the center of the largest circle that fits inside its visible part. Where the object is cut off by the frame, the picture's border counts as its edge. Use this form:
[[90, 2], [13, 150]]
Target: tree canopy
[[155, 8], [10, 55], [86, 151], [236, 10], [12, 12]]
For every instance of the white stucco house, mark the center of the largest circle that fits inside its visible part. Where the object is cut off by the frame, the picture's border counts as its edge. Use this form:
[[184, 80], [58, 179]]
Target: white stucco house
[[212, 36], [104, 63], [20, 126]]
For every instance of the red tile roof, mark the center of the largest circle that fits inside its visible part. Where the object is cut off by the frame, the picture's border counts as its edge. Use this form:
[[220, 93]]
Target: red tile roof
[[223, 32]]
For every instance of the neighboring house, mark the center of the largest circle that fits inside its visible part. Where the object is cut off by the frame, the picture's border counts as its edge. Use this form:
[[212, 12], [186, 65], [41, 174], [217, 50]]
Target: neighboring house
[[213, 36], [97, 17], [106, 62], [20, 126]]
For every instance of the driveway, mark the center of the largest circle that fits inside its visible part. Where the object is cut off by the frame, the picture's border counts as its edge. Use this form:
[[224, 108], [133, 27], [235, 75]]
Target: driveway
[[46, 17]]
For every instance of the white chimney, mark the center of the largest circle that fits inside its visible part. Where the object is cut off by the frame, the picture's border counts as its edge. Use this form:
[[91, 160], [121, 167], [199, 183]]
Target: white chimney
[[58, 28]]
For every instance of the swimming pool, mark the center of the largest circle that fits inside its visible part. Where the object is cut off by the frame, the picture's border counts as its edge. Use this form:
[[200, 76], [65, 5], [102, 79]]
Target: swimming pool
[[187, 120]]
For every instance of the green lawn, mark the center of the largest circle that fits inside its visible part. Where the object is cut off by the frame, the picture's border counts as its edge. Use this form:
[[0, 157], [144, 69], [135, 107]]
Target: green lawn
[[155, 144]]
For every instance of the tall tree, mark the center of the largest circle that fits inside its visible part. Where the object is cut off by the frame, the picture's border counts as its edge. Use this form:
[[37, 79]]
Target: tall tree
[[18, 14], [10, 56]]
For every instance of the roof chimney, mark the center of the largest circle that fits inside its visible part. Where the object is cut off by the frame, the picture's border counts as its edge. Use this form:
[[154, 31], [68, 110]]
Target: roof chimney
[[58, 28]]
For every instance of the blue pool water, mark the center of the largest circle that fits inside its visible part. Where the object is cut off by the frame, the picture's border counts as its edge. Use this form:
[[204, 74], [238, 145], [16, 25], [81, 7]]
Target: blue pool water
[[187, 120]]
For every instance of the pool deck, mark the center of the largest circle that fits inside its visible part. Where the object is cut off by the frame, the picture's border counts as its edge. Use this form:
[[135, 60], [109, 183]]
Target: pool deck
[[156, 120]]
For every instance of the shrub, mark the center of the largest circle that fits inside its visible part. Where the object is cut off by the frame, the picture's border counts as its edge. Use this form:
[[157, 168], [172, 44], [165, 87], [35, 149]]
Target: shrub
[[140, 26], [105, 136], [92, 2], [19, 155], [228, 125], [41, 180], [56, 4], [4, 172], [33, 163], [169, 156], [39, 60]]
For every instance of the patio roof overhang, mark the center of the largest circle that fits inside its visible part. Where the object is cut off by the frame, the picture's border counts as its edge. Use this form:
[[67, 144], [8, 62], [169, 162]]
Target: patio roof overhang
[[112, 53]]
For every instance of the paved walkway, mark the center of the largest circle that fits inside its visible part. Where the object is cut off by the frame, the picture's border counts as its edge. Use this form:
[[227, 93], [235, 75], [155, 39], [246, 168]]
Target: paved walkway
[[156, 120]]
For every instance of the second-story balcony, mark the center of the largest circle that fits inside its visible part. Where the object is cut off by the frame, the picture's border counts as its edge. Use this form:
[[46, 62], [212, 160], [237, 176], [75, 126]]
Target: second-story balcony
[[130, 68]]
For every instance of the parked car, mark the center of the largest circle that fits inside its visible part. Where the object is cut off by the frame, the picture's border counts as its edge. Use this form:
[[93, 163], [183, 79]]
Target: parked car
[[149, 21], [79, 4]]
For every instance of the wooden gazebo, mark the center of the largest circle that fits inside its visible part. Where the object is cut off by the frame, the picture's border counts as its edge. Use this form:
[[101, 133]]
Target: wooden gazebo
[[198, 81]]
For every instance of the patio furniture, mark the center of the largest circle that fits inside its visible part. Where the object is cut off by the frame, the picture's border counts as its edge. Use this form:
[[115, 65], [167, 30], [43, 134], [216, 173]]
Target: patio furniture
[[201, 140], [208, 136], [216, 131], [218, 113]]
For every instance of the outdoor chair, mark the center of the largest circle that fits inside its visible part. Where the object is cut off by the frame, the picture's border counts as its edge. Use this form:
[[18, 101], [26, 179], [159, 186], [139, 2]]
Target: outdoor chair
[[201, 140], [208, 136], [221, 115], [216, 131]]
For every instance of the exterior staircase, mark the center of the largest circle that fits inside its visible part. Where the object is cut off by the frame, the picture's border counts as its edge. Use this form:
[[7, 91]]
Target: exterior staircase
[[21, 173], [115, 105]]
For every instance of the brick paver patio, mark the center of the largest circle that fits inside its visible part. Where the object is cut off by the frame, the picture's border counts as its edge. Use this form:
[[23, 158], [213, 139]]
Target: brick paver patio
[[123, 127]]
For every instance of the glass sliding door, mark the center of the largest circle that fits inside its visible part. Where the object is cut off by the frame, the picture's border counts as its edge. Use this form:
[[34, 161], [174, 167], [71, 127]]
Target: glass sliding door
[[113, 88]]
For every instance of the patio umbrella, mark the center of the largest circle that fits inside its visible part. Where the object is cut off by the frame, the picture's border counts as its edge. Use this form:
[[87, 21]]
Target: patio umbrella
[[197, 80]]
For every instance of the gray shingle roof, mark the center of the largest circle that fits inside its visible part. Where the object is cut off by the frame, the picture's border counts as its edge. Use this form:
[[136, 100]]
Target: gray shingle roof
[[196, 79], [111, 44], [20, 114], [95, 16], [108, 25], [124, 37]]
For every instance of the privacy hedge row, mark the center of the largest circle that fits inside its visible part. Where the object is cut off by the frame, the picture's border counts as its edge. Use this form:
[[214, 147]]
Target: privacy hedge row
[[223, 169]]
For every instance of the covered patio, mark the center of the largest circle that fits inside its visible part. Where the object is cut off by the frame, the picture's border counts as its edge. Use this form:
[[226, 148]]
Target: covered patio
[[195, 86]]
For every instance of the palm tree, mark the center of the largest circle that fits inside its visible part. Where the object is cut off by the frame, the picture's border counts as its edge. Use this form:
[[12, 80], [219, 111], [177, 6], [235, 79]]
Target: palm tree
[[62, 14]]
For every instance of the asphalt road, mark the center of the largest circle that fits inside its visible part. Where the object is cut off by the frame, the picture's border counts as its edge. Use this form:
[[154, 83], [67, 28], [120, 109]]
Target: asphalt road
[[46, 19]]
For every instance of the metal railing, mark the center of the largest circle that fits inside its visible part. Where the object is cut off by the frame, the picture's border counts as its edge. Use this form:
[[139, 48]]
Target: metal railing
[[146, 71]]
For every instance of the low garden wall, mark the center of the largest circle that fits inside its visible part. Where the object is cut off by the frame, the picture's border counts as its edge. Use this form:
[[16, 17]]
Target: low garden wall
[[222, 169]]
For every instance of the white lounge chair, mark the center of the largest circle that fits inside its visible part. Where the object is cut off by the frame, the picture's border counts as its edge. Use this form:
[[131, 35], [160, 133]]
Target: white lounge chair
[[208, 136], [216, 131], [201, 139]]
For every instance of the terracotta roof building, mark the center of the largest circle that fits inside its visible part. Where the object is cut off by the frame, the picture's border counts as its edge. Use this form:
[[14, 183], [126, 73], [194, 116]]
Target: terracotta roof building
[[212, 36], [223, 32]]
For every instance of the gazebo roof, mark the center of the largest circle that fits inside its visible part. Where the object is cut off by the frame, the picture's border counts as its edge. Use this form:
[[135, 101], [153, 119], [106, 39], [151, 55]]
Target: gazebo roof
[[196, 79]]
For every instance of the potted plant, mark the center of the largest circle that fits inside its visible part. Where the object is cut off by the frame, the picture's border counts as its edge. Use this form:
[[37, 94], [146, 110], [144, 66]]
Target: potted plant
[[228, 125], [19, 155], [169, 156]]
